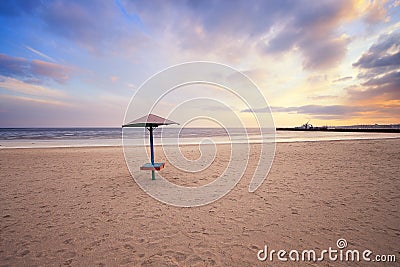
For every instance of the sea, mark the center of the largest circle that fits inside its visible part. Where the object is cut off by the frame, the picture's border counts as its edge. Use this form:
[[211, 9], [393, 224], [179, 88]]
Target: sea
[[89, 137]]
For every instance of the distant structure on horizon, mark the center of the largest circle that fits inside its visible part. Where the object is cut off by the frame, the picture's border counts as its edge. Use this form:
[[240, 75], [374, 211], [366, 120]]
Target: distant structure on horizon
[[368, 126], [308, 126], [381, 128]]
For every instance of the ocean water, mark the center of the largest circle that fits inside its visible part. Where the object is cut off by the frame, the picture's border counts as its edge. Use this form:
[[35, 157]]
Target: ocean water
[[81, 137]]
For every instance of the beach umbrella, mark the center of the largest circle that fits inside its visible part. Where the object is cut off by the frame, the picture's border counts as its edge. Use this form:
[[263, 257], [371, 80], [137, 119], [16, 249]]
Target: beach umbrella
[[150, 122]]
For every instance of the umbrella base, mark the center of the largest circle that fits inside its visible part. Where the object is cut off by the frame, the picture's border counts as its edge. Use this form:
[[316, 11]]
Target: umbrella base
[[150, 167]]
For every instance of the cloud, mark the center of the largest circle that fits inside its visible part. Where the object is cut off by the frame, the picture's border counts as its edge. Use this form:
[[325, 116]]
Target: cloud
[[18, 86], [384, 53], [342, 79], [389, 78], [323, 53], [272, 27], [76, 21], [56, 72], [335, 112], [34, 70], [380, 70], [320, 111], [342, 110], [311, 28], [40, 54], [96, 25], [24, 99], [376, 12], [30, 111], [224, 28], [386, 87], [272, 36]]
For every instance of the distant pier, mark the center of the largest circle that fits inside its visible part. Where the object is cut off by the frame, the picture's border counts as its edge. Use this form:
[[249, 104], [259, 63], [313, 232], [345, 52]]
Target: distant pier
[[361, 130]]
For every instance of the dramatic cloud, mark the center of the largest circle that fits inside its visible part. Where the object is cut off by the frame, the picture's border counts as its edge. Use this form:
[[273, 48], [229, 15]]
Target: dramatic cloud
[[375, 61], [27, 70], [380, 70], [311, 28], [297, 51], [386, 87], [384, 53], [273, 26], [232, 27]]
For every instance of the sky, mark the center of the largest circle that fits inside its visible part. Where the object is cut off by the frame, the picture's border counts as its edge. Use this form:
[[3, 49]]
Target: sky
[[77, 63]]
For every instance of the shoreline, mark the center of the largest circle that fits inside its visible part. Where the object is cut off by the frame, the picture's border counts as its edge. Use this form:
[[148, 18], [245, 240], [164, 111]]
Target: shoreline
[[193, 144]]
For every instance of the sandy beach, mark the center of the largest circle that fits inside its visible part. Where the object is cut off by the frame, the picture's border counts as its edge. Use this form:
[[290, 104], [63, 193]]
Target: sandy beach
[[81, 207]]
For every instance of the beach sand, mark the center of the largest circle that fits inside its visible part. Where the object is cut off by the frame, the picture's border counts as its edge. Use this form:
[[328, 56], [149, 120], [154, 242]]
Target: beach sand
[[81, 207]]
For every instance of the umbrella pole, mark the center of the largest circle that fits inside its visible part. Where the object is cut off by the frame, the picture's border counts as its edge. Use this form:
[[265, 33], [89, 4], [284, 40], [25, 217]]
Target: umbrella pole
[[153, 175]]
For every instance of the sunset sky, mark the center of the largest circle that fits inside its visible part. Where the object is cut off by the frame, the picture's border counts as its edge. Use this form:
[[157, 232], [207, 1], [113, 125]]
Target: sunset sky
[[78, 63]]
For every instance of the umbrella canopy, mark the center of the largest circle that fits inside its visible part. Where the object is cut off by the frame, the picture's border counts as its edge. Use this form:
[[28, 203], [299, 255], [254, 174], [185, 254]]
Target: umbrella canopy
[[150, 120]]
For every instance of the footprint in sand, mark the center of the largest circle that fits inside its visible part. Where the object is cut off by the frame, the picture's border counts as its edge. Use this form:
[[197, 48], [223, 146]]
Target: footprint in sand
[[23, 252]]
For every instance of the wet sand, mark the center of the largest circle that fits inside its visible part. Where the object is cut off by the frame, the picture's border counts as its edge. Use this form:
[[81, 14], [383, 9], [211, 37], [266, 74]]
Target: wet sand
[[80, 207]]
